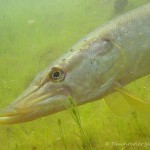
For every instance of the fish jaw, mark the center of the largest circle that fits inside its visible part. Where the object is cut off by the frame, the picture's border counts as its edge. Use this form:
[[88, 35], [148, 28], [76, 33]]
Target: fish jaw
[[19, 116], [34, 103]]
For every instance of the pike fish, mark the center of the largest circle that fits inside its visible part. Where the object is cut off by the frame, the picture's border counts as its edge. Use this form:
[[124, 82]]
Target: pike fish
[[104, 61]]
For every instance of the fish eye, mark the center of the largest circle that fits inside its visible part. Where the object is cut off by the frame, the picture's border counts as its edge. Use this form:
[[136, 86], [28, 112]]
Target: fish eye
[[57, 74]]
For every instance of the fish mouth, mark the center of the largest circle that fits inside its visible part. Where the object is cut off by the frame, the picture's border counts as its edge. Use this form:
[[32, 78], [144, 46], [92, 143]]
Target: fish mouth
[[32, 104]]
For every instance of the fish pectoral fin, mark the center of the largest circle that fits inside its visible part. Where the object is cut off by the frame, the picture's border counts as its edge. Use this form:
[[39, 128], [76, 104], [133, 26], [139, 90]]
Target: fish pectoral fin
[[117, 103], [124, 103], [137, 103]]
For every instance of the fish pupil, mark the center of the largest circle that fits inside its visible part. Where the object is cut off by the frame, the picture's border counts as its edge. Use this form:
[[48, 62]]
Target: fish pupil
[[56, 74]]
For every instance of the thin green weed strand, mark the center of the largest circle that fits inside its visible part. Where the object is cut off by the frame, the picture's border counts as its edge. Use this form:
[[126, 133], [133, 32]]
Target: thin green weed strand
[[73, 109]]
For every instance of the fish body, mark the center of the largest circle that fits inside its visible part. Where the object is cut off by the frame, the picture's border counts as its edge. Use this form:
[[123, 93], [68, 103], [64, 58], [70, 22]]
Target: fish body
[[113, 55], [117, 52]]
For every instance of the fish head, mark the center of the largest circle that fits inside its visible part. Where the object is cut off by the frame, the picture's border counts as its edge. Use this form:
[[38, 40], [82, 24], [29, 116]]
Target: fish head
[[49, 91], [78, 74]]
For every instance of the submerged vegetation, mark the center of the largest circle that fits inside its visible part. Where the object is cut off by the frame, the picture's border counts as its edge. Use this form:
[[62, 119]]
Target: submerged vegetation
[[73, 109], [35, 33]]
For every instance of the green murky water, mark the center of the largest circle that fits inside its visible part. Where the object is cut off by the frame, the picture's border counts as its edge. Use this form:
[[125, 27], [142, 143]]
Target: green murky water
[[33, 33]]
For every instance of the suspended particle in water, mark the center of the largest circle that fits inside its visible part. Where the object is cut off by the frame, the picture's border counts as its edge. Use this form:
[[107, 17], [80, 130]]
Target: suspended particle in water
[[119, 5]]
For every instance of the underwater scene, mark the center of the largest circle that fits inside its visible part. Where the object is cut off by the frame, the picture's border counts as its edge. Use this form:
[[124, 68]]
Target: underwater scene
[[35, 33]]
